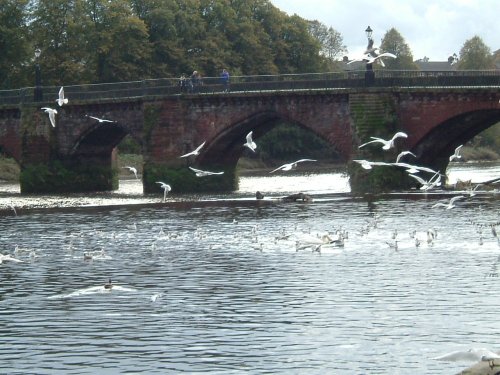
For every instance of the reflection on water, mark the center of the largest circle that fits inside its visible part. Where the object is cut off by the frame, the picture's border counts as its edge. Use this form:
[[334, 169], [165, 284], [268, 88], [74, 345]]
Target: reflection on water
[[220, 288]]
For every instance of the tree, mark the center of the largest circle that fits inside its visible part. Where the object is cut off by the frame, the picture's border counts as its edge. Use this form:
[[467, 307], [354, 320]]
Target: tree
[[475, 55], [15, 49], [394, 43], [331, 40]]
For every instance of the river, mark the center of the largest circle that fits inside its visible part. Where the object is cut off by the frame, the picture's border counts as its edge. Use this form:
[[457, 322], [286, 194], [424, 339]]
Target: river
[[215, 284]]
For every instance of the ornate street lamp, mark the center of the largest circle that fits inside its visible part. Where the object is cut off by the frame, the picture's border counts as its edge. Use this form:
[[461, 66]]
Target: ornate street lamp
[[369, 74], [38, 97]]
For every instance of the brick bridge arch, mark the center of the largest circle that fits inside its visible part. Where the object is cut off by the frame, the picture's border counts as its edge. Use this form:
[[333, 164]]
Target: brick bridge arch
[[436, 120]]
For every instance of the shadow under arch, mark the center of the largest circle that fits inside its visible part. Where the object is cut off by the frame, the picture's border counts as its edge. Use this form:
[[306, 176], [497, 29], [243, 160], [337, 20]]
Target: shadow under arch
[[439, 144], [227, 147]]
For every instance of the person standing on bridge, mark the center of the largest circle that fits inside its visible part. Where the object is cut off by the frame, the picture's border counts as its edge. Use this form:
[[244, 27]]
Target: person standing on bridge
[[196, 81], [225, 79]]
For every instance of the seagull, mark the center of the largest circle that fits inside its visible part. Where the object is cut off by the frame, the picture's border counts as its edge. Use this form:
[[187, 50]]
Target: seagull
[[472, 190], [404, 153], [108, 285], [7, 257], [368, 164], [290, 166], [456, 154], [200, 173], [101, 120], [370, 59], [52, 115], [473, 354], [450, 204], [166, 188], [61, 100], [414, 168], [427, 185], [386, 144], [250, 143], [133, 170], [195, 152]]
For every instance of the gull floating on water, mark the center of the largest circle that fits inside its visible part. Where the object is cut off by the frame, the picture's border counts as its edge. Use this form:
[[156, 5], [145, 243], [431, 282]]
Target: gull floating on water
[[7, 257], [61, 99], [52, 115], [450, 204], [101, 120], [290, 166], [456, 154], [133, 170], [473, 354], [386, 144], [166, 188], [200, 173], [195, 152], [250, 143]]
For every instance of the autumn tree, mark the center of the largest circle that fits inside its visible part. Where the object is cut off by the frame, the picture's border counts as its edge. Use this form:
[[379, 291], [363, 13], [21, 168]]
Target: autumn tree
[[394, 43], [475, 55]]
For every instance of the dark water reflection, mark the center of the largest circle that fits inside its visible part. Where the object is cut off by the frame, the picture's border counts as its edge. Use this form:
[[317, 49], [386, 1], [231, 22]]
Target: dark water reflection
[[209, 288]]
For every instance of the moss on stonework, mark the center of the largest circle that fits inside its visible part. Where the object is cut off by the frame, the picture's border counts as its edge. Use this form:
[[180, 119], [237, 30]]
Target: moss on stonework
[[377, 180], [183, 180], [62, 177], [152, 113]]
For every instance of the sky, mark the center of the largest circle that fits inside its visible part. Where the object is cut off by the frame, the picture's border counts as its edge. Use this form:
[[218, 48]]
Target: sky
[[432, 28]]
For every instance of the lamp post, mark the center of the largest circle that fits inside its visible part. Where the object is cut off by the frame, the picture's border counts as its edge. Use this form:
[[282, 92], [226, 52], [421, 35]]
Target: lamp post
[[38, 95], [369, 74]]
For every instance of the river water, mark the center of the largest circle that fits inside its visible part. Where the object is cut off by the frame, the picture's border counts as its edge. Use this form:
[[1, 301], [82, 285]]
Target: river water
[[216, 285]]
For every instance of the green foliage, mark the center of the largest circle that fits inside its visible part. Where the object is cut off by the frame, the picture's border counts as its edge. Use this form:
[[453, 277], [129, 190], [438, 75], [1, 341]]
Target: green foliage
[[377, 180], [129, 146], [394, 43], [475, 55], [286, 141]]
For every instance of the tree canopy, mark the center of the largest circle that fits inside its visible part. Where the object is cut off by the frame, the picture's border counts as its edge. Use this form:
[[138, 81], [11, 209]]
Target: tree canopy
[[394, 43], [475, 55]]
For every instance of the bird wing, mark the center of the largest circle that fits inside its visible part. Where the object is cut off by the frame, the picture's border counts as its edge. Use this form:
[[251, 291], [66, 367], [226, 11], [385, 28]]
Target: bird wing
[[301, 160], [61, 93], [380, 140], [249, 137], [399, 135], [387, 54], [419, 179], [454, 199], [199, 147], [280, 167], [188, 154], [196, 170]]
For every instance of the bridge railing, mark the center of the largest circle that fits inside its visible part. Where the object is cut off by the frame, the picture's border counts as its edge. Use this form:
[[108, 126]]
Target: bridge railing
[[259, 83]]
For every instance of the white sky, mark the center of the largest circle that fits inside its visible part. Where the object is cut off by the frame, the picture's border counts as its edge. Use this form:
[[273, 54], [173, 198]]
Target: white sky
[[432, 28]]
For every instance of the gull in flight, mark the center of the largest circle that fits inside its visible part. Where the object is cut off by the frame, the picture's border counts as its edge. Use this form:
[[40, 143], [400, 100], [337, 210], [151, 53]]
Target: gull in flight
[[427, 185], [414, 168], [450, 204], [133, 170], [200, 173], [166, 188], [370, 59], [290, 166], [386, 144], [61, 99], [404, 153], [456, 154], [101, 120], [195, 152], [52, 115], [369, 164], [250, 143]]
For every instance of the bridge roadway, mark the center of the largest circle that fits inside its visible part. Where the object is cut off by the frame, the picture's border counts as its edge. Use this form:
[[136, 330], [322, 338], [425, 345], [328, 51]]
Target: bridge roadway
[[438, 111]]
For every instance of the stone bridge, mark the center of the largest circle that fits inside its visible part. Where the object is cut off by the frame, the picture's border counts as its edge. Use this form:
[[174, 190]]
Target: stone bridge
[[78, 153]]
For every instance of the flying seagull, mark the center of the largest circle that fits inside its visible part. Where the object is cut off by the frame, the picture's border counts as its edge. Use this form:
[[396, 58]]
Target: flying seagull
[[290, 166], [166, 188], [473, 354], [386, 144], [456, 154], [450, 204], [369, 164], [404, 153], [431, 183], [250, 143], [370, 59], [200, 173], [61, 99], [52, 115], [101, 120], [195, 152], [133, 170]]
